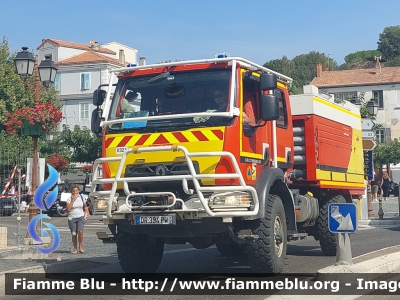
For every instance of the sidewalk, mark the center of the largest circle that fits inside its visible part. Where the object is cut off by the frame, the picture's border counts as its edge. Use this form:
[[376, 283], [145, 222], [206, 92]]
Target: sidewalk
[[26, 259], [391, 214]]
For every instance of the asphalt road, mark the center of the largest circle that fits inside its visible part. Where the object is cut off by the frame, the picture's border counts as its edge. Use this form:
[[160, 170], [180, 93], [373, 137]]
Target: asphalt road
[[302, 257]]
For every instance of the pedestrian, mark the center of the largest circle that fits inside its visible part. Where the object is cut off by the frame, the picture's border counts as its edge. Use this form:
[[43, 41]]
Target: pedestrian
[[77, 214], [11, 191], [375, 188], [24, 206], [385, 185]]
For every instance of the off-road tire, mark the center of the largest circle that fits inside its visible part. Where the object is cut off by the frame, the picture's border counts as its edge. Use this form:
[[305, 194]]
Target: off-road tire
[[327, 239], [228, 247], [139, 253], [267, 254]]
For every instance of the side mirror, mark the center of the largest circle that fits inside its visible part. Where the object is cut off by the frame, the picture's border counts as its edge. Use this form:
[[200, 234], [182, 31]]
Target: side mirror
[[268, 81], [95, 122], [269, 107], [98, 97]]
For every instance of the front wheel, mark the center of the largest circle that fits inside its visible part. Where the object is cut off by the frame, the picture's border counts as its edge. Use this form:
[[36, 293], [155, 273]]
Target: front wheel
[[268, 253], [327, 239], [139, 253]]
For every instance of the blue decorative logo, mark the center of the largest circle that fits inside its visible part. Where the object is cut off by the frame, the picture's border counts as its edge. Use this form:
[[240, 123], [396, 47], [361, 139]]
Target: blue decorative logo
[[50, 199]]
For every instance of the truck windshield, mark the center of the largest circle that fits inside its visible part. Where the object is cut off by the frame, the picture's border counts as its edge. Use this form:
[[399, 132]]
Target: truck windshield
[[181, 93]]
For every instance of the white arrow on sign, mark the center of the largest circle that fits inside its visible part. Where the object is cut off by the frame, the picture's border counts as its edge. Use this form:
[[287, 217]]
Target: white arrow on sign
[[366, 124], [368, 134]]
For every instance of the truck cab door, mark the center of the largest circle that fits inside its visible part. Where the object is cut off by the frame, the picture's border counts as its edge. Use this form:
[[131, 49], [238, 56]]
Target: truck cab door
[[253, 143]]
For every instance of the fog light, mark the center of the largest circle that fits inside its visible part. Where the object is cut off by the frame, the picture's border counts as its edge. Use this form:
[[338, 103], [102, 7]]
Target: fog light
[[100, 204], [238, 199]]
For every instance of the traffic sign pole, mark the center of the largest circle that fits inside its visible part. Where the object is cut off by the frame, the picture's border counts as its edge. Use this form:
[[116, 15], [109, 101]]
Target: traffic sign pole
[[343, 250], [342, 220]]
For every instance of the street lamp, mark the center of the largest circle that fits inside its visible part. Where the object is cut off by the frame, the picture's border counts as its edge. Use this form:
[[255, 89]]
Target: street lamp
[[25, 64], [372, 107], [47, 71], [24, 61]]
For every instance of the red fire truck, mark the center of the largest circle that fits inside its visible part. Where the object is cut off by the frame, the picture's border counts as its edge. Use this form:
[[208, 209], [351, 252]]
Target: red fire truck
[[215, 151]]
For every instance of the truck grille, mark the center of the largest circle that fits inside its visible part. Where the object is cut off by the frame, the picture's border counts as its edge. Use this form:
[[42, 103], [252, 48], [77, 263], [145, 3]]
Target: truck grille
[[161, 169]]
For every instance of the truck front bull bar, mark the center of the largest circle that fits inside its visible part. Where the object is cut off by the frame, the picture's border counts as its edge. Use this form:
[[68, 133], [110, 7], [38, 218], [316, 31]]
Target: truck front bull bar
[[192, 176]]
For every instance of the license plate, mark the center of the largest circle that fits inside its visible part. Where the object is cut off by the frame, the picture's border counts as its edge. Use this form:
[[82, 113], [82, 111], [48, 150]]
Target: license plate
[[157, 220]]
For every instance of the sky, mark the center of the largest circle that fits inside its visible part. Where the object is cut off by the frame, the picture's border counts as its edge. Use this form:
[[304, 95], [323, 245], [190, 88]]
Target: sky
[[257, 30]]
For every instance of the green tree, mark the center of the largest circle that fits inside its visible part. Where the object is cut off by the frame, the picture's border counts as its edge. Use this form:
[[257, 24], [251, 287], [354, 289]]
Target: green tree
[[386, 154], [389, 42], [84, 146], [360, 60], [14, 151], [395, 62], [14, 92], [301, 68], [361, 56]]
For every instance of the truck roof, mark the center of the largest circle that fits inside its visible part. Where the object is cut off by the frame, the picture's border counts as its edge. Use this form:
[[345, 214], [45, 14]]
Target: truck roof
[[243, 62]]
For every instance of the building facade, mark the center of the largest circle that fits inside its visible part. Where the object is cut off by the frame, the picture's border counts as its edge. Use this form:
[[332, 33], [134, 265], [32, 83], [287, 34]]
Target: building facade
[[379, 83], [81, 70]]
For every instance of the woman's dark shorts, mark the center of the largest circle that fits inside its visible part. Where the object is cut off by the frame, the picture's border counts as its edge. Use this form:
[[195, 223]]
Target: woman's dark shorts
[[76, 224]]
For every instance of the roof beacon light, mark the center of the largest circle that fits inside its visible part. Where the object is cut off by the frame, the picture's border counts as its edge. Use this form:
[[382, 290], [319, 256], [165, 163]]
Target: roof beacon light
[[222, 55], [131, 65]]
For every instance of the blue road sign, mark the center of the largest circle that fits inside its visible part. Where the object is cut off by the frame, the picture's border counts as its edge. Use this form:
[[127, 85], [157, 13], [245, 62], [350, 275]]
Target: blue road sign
[[370, 166], [342, 217]]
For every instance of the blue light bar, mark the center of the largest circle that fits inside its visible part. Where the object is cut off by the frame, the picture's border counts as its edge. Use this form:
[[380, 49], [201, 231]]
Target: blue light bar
[[222, 55]]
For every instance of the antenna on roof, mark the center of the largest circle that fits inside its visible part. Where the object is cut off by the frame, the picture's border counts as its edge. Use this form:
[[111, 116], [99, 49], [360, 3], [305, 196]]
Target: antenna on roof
[[94, 44], [378, 69]]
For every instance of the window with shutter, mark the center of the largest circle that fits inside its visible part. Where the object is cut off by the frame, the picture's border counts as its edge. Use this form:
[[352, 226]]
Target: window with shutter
[[378, 96], [383, 135], [57, 85], [83, 111], [85, 81], [388, 137]]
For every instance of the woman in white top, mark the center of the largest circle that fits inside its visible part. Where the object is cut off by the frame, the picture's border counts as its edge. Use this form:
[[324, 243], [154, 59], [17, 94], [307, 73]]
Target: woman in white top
[[12, 190], [77, 209]]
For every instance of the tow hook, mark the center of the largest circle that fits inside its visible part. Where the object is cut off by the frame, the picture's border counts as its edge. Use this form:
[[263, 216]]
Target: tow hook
[[242, 236]]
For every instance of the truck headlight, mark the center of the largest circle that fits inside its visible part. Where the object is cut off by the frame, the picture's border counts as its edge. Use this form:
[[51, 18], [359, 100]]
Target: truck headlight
[[236, 199]]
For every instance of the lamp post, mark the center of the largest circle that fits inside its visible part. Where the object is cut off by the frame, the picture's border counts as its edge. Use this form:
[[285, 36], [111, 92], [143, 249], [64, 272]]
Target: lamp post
[[26, 64], [372, 107]]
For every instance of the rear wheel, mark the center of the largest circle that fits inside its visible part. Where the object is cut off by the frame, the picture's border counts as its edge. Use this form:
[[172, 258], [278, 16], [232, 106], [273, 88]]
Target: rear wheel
[[268, 253], [327, 239], [139, 253]]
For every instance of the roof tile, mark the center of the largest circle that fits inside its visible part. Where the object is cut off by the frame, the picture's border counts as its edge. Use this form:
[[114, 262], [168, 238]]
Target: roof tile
[[76, 46], [88, 57], [357, 77]]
